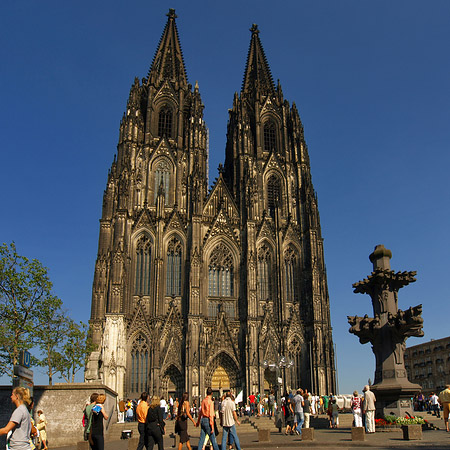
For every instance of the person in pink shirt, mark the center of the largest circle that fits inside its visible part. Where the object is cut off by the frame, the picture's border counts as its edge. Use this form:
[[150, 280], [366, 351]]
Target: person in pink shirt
[[206, 421]]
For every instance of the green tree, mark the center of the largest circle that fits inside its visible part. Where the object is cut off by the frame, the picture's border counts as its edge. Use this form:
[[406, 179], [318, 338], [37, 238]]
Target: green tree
[[24, 289], [74, 352]]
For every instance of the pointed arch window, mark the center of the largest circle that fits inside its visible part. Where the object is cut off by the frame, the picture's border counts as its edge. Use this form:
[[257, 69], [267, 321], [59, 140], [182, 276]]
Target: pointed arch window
[[173, 276], [165, 122], [273, 194], [270, 137], [221, 272], [162, 179], [265, 273], [139, 364], [292, 273], [143, 266]]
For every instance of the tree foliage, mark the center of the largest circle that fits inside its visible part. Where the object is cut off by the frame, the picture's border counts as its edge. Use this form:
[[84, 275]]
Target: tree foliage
[[31, 317]]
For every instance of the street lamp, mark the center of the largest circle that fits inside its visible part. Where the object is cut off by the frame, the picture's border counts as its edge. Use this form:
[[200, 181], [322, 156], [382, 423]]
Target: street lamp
[[282, 363]]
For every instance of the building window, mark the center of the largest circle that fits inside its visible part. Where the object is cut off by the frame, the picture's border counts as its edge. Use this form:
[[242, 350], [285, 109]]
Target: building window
[[162, 179], [270, 138], [165, 122], [273, 194], [221, 272], [139, 364], [143, 265], [291, 275], [173, 278], [264, 273]]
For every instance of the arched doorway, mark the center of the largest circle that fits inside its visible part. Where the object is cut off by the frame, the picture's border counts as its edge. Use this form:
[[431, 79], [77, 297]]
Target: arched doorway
[[270, 379], [172, 383], [223, 374]]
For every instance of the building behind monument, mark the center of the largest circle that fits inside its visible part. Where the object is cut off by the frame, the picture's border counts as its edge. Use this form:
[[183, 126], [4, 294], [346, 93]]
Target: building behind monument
[[196, 286]]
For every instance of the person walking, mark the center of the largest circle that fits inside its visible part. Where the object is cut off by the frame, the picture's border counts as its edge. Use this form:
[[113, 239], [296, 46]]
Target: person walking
[[444, 400], [206, 420], [42, 429], [154, 424], [356, 405], [183, 414], [434, 402], [141, 414], [97, 440], [369, 409], [307, 409], [299, 416], [229, 420], [19, 425]]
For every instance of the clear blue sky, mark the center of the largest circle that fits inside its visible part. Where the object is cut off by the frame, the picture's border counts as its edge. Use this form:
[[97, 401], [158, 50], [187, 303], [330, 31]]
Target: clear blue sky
[[372, 84]]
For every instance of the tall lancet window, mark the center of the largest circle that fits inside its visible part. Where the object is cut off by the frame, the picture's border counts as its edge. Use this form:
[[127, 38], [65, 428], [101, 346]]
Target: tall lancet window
[[162, 179], [265, 273], [165, 122], [173, 276], [221, 272], [292, 274], [273, 194], [270, 137], [143, 266], [139, 364]]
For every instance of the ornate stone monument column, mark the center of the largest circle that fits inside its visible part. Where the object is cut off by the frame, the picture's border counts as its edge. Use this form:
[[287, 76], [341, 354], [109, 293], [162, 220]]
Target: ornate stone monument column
[[387, 331]]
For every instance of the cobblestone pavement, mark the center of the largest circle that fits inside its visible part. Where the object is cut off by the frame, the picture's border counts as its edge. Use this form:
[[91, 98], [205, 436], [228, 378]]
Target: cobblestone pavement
[[324, 438]]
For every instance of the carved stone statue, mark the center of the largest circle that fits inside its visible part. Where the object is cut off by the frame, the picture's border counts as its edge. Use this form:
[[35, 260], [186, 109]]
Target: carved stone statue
[[387, 331]]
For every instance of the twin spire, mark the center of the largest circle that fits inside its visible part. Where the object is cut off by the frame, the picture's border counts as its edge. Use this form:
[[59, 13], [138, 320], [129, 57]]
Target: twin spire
[[168, 63]]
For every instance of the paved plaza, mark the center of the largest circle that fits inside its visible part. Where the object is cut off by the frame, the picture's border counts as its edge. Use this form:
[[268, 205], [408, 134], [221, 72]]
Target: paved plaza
[[324, 438]]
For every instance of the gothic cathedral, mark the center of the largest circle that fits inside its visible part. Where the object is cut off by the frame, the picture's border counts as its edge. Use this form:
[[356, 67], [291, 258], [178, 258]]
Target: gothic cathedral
[[198, 285]]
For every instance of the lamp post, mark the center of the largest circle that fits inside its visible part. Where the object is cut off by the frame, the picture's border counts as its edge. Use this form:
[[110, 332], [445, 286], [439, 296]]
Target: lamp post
[[282, 363]]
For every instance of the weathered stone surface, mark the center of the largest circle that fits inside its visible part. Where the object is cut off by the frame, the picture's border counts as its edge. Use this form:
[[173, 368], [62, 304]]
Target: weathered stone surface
[[358, 434], [82, 445], [133, 443], [264, 435], [307, 434], [412, 432]]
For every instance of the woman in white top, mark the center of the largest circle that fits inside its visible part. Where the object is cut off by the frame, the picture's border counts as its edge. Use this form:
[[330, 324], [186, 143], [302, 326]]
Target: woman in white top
[[20, 422]]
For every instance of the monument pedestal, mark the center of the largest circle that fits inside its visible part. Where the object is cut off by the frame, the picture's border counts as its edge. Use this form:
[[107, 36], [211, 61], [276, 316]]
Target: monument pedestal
[[395, 400]]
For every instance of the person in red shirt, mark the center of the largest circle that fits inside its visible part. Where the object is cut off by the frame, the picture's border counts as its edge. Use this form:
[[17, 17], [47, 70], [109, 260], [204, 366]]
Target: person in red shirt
[[206, 421], [252, 400]]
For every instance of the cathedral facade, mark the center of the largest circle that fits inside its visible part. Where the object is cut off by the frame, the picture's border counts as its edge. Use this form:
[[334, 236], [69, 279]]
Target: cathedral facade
[[199, 285]]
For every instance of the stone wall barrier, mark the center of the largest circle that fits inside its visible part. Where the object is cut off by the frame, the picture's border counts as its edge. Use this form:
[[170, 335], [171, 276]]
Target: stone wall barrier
[[358, 434], [264, 435], [412, 432]]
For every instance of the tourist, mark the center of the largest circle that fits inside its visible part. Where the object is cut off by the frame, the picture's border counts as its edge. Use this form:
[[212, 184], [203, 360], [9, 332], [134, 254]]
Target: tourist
[[172, 417], [325, 401], [306, 408], [369, 409], [299, 416], [444, 400], [252, 401], [229, 419], [42, 429], [181, 425], [155, 426], [18, 429], [141, 414], [355, 404], [206, 420], [87, 417], [288, 414], [121, 412], [164, 407], [334, 409], [98, 414], [271, 402], [434, 404]]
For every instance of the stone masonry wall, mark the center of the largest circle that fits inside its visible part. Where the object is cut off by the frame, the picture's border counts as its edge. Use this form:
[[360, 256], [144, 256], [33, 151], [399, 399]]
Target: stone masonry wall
[[63, 406]]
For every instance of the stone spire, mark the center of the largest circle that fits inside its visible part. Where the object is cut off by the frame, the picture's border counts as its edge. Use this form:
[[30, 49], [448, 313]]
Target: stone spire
[[257, 77], [168, 63]]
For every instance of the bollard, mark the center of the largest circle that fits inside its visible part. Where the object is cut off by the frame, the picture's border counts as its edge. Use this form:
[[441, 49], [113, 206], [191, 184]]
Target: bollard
[[358, 434], [307, 434], [264, 435], [412, 432]]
